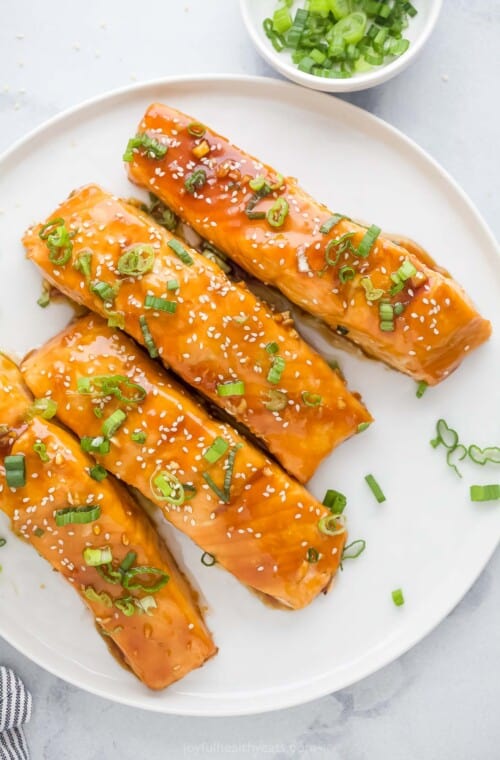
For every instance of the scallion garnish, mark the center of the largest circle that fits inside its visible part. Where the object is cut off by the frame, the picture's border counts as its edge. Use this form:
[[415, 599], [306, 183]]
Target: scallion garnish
[[346, 273], [445, 435], [195, 181], [46, 408], [363, 426], [208, 559], [457, 453], [278, 212], [371, 293], [216, 450], [148, 338], [368, 240], [224, 493], [38, 532], [165, 486], [276, 371], [95, 444], [131, 579], [332, 525], [162, 214], [93, 596], [113, 423], [181, 252], [235, 388], [41, 449], [311, 399], [15, 470], [386, 316], [375, 488], [312, 555], [146, 146], [104, 290], [397, 597], [59, 241], [485, 493], [335, 501], [160, 304], [138, 436], [3, 541], [481, 456], [330, 223], [83, 264], [354, 549], [276, 400], [96, 557], [272, 348], [77, 516], [100, 386], [196, 129], [127, 561], [98, 473], [172, 284], [263, 190], [137, 261], [126, 605], [421, 388]]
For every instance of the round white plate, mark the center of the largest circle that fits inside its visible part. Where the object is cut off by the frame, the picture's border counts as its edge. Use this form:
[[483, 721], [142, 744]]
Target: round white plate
[[426, 538]]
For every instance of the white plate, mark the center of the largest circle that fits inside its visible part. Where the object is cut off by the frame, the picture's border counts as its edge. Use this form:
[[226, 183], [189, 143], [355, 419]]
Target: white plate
[[419, 29], [427, 538]]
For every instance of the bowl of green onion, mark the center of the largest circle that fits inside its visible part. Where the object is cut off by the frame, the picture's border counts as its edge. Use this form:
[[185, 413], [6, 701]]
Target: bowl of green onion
[[339, 45]]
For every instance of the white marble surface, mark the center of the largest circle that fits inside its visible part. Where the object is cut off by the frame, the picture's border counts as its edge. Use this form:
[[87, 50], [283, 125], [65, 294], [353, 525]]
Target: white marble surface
[[439, 700]]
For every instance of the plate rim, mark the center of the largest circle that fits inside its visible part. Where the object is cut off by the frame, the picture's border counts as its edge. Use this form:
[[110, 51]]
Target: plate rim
[[316, 688]]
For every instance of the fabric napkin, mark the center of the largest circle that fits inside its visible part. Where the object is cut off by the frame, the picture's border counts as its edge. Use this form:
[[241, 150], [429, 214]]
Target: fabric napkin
[[15, 711]]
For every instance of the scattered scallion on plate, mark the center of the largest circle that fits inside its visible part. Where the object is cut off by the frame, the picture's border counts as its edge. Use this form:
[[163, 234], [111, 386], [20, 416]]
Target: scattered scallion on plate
[[337, 39]]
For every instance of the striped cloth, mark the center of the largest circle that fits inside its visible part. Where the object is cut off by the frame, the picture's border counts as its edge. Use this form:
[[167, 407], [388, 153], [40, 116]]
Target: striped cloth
[[15, 710]]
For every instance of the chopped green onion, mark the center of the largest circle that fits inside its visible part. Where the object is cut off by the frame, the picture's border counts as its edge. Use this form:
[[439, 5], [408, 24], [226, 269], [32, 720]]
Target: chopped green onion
[[485, 493], [481, 456], [371, 293], [148, 338], [97, 472], [162, 214], [41, 449], [93, 596], [272, 348], [236, 388], [368, 241], [276, 400], [147, 604], [332, 525], [15, 470], [137, 261], [195, 181], [335, 501], [172, 284], [146, 145], [330, 223], [312, 555], [216, 450], [351, 28], [311, 399], [77, 516], [160, 304], [263, 190], [398, 308], [138, 436], [196, 129], [44, 300], [127, 561], [375, 488], [45, 408], [165, 486], [83, 264], [354, 549], [95, 445], [116, 319], [131, 584], [346, 273], [126, 605], [181, 252], [397, 597], [363, 426], [38, 532], [295, 32], [341, 330], [100, 386], [406, 270], [97, 557], [113, 423], [282, 21], [228, 477], [445, 435], [278, 212], [421, 388], [208, 559], [104, 290], [458, 453], [276, 371], [58, 239], [3, 541]]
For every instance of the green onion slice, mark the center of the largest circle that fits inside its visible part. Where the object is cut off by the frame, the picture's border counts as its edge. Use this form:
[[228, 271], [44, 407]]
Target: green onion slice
[[113, 423], [346, 273], [371, 293], [15, 470], [195, 181], [332, 525], [354, 549], [181, 252], [138, 436], [330, 223], [397, 597], [368, 240], [216, 450], [312, 555], [41, 449], [375, 488], [421, 388], [165, 486], [83, 264], [272, 348], [45, 408], [136, 261], [3, 541], [311, 399], [235, 388], [126, 605], [445, 435], [208, 559], [485, 493], [363, 426], [276, 371], [77, 516], [146, 146], [162, 214], [148, 338], [95, 444], [457, 454], [94, 596], [278, 212], [127, 561], [132, 580], [275, 400], [160, 304], [335, 501], [100, 386], [58, 240], [98, 473], [196, 129], [96, 557]]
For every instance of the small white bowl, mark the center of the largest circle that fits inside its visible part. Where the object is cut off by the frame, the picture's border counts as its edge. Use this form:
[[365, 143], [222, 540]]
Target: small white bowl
[[255, 11]]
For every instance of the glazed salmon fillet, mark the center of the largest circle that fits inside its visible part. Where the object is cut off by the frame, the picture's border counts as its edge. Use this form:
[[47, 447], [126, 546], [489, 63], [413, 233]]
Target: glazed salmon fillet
[[226, 495], [94, 534], [221, 339], [386, 298]]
